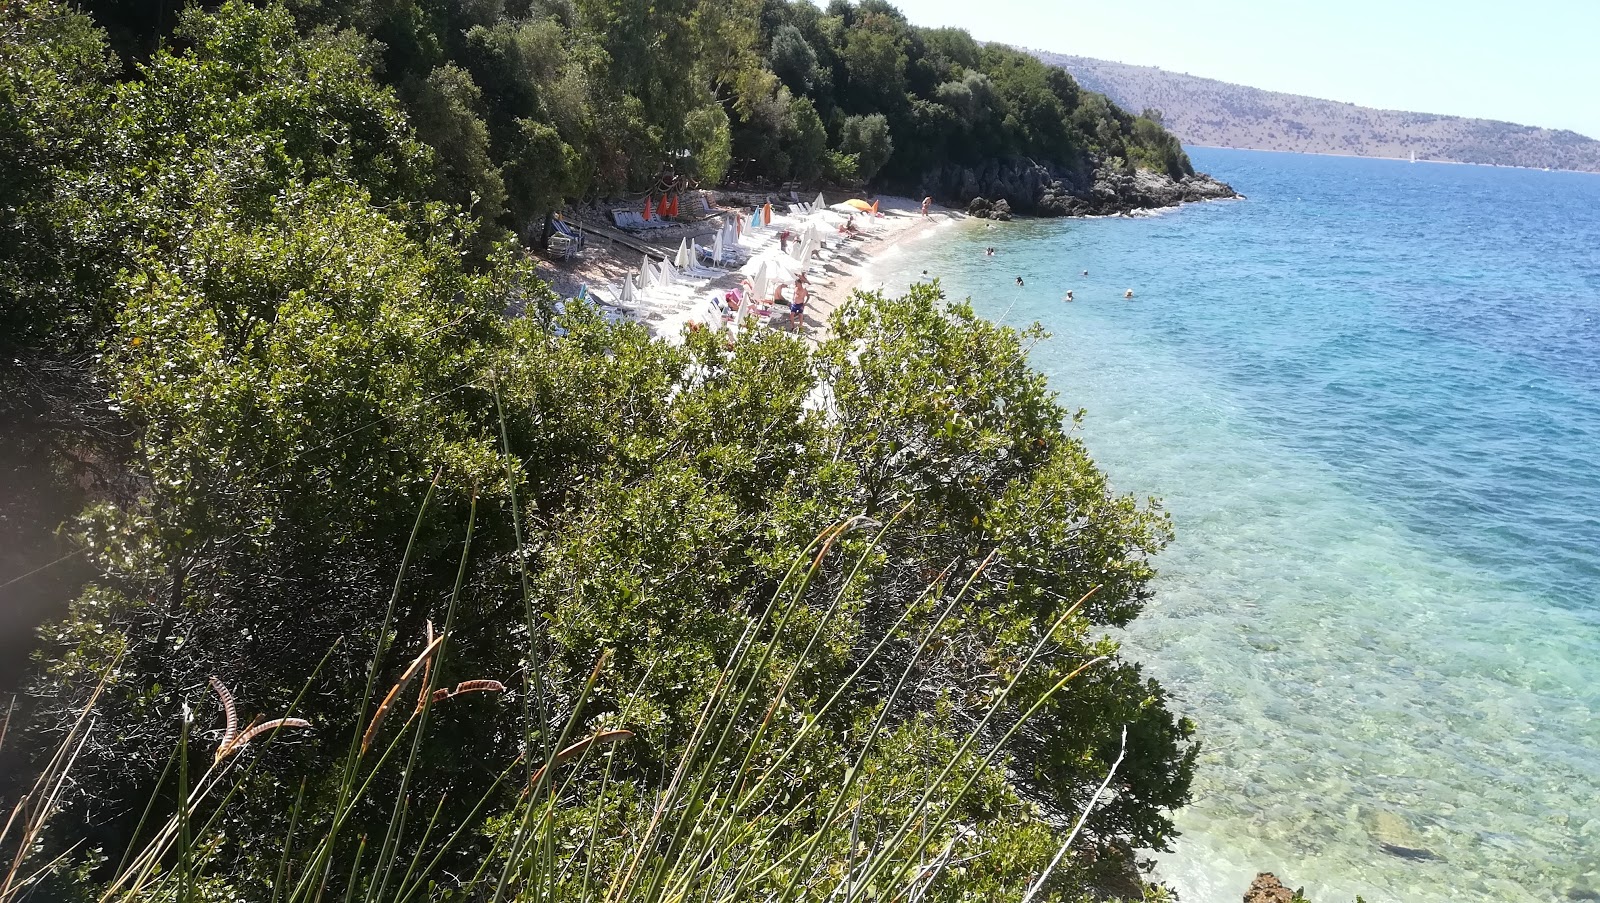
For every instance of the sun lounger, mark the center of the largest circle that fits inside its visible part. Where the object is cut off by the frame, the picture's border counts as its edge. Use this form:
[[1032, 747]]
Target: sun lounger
[[570, 239]]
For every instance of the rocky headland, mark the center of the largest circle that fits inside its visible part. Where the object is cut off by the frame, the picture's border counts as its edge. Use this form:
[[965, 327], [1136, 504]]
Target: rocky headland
[[1002, 188]]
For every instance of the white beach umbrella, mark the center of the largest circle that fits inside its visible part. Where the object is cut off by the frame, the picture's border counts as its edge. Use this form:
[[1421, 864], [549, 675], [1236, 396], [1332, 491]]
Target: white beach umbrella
[[820, 203], [647, 275], [717, 248], [683, 254], [759, 284], [627, 296]]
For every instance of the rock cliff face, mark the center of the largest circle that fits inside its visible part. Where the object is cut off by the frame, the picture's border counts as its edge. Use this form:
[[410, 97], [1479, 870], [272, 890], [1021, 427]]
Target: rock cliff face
[[1032, 189]]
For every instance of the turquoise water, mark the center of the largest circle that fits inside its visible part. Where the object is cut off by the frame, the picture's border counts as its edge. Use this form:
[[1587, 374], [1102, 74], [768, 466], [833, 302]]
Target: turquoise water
[[1370, 397]]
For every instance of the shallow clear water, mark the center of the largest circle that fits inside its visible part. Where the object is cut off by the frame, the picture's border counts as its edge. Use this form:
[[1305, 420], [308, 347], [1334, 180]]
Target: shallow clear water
[[1370, 397]]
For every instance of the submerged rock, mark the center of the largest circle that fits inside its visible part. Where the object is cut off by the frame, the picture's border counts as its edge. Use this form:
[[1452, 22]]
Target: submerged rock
[[1415, 854], [1396, 836]]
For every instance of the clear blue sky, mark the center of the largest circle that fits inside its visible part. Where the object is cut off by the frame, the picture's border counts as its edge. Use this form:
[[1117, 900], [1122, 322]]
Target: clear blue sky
[[1535, 62]]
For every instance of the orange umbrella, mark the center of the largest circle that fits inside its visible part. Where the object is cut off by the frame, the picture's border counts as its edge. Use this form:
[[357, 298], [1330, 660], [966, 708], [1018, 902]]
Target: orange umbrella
[[859, 204], [875, 208], [766, 215], [649, 208]]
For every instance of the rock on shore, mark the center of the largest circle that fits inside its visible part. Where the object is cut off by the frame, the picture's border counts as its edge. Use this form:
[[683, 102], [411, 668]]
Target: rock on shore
[[1033, 189], [1268, 889]]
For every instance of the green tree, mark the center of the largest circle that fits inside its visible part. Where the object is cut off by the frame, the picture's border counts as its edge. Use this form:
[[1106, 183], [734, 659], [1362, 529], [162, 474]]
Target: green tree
[[793, 60], [805, 140], [446, 112], [867, 137], [56, 255], [710, 142], [875, 60]]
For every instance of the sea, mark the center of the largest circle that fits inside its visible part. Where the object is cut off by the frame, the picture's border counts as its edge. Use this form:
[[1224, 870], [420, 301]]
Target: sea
[[1369, 395]]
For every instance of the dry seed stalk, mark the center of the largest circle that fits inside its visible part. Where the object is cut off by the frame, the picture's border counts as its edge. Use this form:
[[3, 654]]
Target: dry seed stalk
[[469, 686], [427, 672], [232, 740], [417, 664], [577, 749]]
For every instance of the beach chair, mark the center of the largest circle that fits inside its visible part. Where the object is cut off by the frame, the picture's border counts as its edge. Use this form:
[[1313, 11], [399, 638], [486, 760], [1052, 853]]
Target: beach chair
[[570, 239]]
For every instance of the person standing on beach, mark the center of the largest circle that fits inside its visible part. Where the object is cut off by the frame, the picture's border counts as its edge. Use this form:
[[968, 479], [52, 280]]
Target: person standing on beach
[[926, 203], [797, 308]]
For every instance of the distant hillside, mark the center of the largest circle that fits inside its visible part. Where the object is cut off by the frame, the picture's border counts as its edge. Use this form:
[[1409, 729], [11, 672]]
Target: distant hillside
[[1210, 112]]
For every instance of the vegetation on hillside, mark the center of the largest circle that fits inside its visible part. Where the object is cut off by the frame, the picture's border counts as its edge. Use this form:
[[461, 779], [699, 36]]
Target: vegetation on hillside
[[1210, 112], [828, 617]]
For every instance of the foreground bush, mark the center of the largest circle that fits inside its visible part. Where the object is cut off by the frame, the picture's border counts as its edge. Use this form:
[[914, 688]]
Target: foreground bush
[[628, 501]]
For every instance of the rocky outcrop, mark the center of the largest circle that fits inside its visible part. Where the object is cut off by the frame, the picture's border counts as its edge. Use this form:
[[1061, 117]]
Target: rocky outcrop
[[983, 208], [1034, 189], [1268, 889]]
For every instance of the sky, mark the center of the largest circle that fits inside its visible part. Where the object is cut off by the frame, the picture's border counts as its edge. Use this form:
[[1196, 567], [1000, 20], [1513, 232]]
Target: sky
[[1533, 62]]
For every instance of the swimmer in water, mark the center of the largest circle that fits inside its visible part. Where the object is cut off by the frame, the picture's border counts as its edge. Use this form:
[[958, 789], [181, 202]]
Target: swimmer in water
[[1019, 282], [1068, 297], [1085, 272], [1128, 295]]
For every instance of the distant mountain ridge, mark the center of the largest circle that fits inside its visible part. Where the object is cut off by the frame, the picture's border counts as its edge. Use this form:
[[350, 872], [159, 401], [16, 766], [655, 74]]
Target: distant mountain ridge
[[1210, 112]]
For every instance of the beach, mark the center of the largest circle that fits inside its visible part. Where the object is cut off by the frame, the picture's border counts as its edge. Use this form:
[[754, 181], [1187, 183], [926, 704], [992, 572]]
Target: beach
[[610, 255]]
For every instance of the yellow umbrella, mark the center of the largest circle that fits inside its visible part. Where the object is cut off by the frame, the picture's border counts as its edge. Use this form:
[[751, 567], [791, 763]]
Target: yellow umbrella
[[859, 204]]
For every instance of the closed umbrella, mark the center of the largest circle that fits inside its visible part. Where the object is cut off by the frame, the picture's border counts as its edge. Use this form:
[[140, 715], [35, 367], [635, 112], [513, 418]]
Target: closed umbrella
[[821, 202], [683, 255], [766, 215], [758, 285], [717, 247], [627, 289]]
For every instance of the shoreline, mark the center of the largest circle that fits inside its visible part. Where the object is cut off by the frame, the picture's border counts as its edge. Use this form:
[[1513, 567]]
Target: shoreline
[[834, 273]]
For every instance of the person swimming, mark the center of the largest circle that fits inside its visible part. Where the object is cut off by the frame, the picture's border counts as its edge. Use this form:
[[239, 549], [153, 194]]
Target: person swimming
[[1085, 273], [988, 252], [1019, 282], [1068, 297], [1128, 295]]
